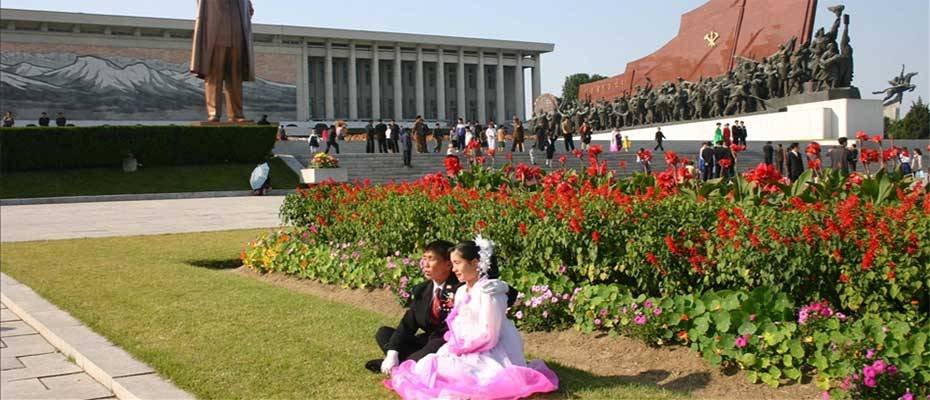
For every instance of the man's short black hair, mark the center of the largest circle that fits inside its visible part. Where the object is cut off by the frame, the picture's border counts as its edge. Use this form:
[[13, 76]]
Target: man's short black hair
[[842, 141], [440, 248]]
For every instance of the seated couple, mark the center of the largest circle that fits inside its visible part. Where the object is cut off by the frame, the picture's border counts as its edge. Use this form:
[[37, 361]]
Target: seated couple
[[469, 349]]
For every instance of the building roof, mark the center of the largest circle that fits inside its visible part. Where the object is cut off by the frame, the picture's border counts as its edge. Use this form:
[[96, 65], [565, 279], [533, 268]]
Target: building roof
[[7, 14]]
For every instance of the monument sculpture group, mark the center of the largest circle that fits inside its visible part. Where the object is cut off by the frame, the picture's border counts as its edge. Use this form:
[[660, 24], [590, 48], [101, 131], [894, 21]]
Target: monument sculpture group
[[823, 63]]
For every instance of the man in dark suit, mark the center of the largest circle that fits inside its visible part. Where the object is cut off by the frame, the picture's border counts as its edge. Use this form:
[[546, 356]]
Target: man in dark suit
[[395, 137], [61, 120], [707, 155], [429, 306], [44, 120], [659, 138], [839, 157], [742, 131], [722, 153], [381, 133], [795, 163], [369, 137], [767, 153]]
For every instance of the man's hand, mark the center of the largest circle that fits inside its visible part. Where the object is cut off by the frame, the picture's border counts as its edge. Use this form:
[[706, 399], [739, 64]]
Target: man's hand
[[390, 361], [495, 287]]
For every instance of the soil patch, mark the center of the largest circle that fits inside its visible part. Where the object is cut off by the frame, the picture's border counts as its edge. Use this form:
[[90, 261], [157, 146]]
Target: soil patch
[[624, 359]]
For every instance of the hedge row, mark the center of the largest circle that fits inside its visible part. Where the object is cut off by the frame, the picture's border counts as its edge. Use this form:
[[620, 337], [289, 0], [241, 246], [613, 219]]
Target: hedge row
[[44, 148]]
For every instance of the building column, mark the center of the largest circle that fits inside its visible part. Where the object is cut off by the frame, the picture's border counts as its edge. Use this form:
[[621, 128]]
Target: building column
[[440, 87], [482, 88], [421, 101], [518, 85], [398, 85], [328, 82], [353, 83], [536, 79], [499, 98], [303, 109], [460, 85], [375, 83]]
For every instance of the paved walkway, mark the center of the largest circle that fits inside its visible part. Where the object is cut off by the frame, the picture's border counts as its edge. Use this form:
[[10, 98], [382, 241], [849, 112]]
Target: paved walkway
[[125, 218], [34, 369]]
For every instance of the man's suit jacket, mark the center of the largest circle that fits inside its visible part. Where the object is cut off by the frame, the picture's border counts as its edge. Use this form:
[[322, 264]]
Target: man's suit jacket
[[381, 131], [839, 159], [768, 152], [795, 166], [417, 316]]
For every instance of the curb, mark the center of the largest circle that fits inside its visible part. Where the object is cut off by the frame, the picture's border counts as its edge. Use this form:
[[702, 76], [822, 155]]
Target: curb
[[135, 197], [115, 369]]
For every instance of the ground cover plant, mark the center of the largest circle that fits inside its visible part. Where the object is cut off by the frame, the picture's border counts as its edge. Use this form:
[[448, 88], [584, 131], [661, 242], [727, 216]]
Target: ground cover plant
[[823, 278]]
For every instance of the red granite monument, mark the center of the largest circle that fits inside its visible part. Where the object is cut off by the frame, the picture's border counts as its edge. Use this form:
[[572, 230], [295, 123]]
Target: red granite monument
[[710, 42]]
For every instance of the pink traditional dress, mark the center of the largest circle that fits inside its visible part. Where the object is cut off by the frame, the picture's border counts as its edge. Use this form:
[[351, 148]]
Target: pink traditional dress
[[482, 358]]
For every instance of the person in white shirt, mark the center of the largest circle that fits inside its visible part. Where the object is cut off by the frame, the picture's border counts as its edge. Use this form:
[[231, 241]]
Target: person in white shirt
[[389, 134], [491, 135]]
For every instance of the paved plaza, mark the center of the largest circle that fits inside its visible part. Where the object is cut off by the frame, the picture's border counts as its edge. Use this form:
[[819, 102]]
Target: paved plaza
[[34, 369], [126, 218]]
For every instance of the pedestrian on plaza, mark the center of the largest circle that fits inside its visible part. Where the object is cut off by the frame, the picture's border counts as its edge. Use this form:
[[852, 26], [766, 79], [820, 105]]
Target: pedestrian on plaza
[[707, 161], [437, 136], [406, 143], [839, 157], [8, 120], [853, 157], [768, 153], [490, 135], [518, 135], [395, 135], [381, 136], [718, 134], [419, 133], [551, 140], [501, 138], [659, 138], [780, 159], [905, 159], [743, 133], [61, 120], [917, 164], [567, 131], [313, 141], [723, 161], [737, 136], [331, 139], [627, 144], [727, 138], [44, 120], [585, 132], [370, 136], [795, 163], [615, 140], [644, 158], [460, 131]]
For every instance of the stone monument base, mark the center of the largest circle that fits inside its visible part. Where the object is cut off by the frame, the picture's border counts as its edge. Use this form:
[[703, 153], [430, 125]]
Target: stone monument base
[[892, 111], [830, 120], [223, 123]]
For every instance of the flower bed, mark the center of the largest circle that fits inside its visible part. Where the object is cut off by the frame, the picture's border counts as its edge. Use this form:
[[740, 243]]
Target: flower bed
[[724, 265]]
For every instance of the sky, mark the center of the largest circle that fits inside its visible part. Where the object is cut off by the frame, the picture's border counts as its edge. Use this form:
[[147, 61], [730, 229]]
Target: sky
[[589, 36]]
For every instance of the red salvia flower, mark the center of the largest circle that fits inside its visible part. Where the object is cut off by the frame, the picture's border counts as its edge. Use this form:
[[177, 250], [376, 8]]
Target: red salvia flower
[[596, 237]]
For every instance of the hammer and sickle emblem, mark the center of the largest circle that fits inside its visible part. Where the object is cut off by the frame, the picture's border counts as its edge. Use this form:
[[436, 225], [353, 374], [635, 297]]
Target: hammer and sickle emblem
[[711, 38]]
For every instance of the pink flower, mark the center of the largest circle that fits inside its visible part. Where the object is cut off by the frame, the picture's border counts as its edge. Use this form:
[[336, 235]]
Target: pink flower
[[597, 321], [545, 314], [752, 317], [657, 311], [741, 341], [907, 395], [879, 366], [603, 312], [869, 354], [868, 372], [640, 319], [647, 304], [825, 395], [870, 382], [519, 315], [313, 229]]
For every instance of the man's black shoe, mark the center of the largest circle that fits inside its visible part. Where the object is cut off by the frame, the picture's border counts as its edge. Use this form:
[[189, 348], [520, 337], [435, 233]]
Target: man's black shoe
[[374, 365]]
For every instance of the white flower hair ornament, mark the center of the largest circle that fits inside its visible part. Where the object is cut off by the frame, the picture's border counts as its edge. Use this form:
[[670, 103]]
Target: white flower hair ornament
[[485, 251]]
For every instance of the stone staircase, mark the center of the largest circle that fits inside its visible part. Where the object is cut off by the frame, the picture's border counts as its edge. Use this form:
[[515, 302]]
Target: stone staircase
[[383, 168]]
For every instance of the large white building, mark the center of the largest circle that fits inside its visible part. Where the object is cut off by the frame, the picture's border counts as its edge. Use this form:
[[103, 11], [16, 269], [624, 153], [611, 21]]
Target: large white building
[[107, 67]]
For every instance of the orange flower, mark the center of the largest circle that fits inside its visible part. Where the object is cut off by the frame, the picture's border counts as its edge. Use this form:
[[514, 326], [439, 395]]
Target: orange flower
[[683, 335]]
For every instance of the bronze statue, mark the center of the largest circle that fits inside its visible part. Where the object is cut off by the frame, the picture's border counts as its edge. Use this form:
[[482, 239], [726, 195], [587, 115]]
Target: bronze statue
[[222, 54], [899, 85]]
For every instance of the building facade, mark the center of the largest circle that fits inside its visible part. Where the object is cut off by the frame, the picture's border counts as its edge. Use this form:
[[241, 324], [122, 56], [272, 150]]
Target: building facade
[[104, 67]]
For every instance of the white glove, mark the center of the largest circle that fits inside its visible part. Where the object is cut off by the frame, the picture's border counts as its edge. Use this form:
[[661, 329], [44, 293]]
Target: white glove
[[390, 361], [495, 287]]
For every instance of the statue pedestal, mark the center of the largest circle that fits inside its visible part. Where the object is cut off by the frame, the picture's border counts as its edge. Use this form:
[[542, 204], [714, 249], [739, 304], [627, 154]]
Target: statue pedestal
[[892, 111], [819, 120], [247, 122]]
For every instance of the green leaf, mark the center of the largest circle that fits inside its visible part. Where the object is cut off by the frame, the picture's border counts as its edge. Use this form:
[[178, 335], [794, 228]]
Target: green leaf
[[722, 321], [747, 328]]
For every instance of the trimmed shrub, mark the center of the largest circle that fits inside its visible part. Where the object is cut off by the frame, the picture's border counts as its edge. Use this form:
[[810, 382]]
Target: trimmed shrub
[[44, 148]]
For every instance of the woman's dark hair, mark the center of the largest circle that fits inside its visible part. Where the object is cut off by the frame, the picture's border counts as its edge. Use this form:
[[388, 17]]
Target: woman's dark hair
[[916, 150], [469, 250]]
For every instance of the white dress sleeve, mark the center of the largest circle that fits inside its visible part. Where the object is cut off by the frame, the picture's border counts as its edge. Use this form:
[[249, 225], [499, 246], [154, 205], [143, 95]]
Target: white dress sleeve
[[483, 333]]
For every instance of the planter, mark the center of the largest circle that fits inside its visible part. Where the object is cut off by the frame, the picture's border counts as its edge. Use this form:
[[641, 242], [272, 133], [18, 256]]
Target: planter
[[320, 175]]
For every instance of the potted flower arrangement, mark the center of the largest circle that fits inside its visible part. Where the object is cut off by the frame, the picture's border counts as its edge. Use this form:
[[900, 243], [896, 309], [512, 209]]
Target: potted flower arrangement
[[323, 168]]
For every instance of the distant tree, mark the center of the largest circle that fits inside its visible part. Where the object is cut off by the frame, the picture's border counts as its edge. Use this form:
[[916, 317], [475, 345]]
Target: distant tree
[[914, 125], [572, 82]]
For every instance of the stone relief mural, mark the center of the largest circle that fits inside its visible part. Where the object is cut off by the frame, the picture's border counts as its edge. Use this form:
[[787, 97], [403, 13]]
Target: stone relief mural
[[111, 87]]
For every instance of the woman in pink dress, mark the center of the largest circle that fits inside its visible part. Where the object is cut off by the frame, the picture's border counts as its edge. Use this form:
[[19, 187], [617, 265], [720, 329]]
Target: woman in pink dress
[[483, 355]]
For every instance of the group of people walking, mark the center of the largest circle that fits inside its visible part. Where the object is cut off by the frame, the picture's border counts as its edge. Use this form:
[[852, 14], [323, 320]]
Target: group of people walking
[[9, 120]]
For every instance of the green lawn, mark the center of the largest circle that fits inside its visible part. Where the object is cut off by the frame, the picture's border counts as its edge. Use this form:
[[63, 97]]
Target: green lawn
[[167, 300], [101, 181]]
